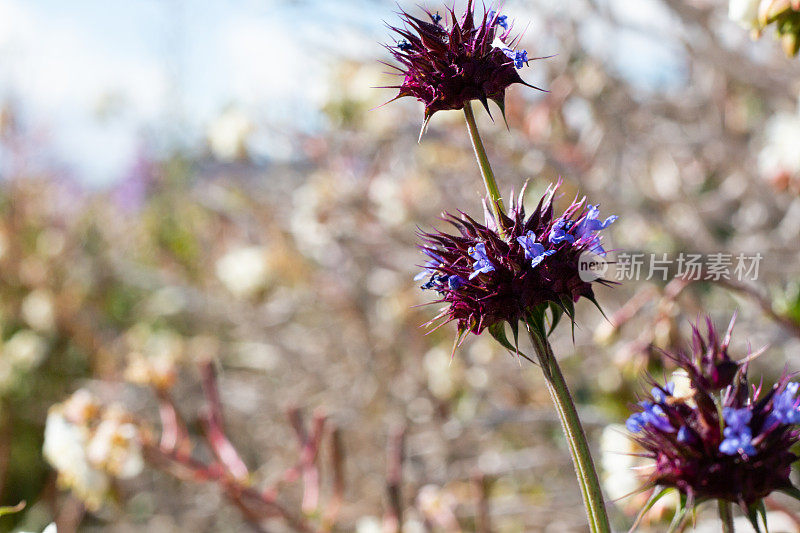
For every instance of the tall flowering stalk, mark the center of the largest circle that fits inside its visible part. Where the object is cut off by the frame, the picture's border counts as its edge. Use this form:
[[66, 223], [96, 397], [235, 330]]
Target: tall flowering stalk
[[720, 438], [512, 268]]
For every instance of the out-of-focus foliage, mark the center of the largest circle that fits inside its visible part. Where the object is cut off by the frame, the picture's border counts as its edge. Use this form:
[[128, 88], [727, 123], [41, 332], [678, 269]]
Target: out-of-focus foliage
[[296, 278]]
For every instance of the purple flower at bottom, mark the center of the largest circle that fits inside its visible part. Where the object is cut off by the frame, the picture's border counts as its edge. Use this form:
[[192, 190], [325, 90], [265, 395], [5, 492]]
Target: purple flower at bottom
[[734, 441], [738, 437]]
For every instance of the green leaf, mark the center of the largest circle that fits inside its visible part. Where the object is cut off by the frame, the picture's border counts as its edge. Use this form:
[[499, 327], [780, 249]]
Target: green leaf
[[680, 515], [569, 308], [597, 305], [659, 493], [753, 517], [555, 313], [498, 332], [458, 340], [762, 509], [13, 509], [752, 514], [515, 332], [792, 491], [535, 321]]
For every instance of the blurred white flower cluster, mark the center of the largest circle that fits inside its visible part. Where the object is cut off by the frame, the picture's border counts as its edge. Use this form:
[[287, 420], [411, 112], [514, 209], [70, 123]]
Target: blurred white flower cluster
[[88, 444], [779, 160]]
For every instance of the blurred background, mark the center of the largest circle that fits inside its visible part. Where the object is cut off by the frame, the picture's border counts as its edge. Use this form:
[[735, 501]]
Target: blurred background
[[187, 182]]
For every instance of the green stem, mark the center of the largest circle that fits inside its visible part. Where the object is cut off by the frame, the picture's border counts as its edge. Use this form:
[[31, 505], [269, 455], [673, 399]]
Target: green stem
[[726, 515], [496, 200], [576, 438]]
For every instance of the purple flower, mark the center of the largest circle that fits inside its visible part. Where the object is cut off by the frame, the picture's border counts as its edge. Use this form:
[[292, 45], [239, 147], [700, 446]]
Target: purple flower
[[455, 282], [583, 231], [520, 57], [588, 228], [445, 66], [708, 364], [430, 269], [733, 443], [652, 414], [660, 394], [500, 20], [482, 264], [785, 407], [738, 437], [510, 275], [559, 232], [590, 222], [533, 250]]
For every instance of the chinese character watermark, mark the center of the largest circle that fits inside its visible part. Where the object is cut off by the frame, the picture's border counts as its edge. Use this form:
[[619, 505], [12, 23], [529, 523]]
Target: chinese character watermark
[[630, 266]]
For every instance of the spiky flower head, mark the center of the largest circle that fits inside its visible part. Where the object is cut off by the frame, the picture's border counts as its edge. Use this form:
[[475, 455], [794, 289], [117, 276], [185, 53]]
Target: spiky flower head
[[447, 63], [486, 277], [723, 439]]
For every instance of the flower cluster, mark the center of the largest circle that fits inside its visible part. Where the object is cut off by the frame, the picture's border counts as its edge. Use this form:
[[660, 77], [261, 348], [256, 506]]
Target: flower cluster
[[88, 444], [486, 276], [445, 67], [720, 438]]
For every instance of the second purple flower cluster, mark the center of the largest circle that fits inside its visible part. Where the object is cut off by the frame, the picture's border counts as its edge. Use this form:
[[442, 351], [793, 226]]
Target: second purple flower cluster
[[485, 275]]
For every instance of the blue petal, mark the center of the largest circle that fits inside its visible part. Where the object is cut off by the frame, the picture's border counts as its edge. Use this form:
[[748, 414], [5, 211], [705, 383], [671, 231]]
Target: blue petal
[[634, 423], [729, 447]]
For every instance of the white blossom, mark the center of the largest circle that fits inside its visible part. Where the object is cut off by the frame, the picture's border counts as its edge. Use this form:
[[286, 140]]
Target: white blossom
[[245, 271], [780, 153], [38, 310], [744, 13], [115, 447], [65, 449], [229, 133], [24, 350]]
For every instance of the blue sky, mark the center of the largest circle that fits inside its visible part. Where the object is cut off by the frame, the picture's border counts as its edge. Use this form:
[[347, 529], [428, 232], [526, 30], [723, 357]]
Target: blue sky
[[97, 75]]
